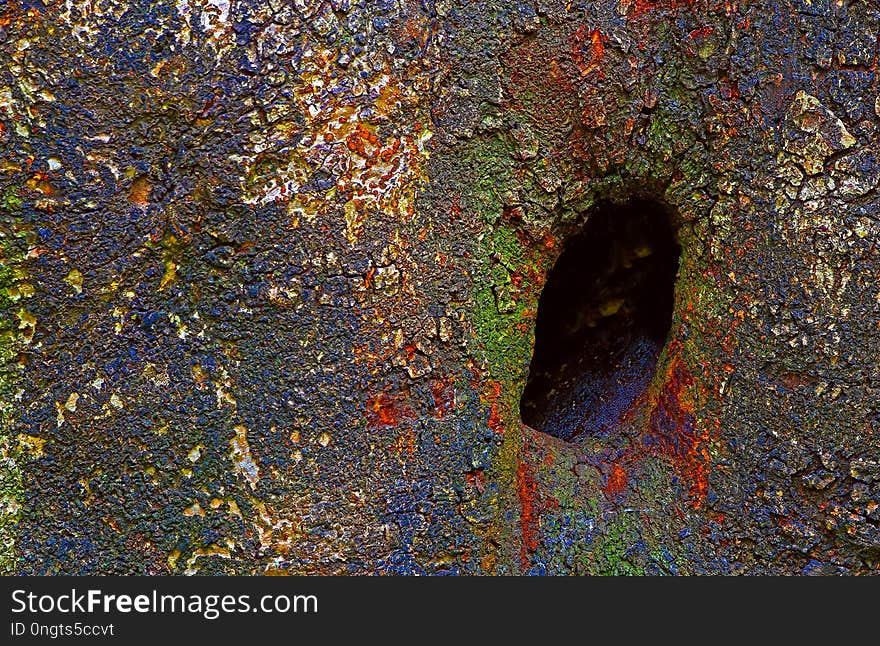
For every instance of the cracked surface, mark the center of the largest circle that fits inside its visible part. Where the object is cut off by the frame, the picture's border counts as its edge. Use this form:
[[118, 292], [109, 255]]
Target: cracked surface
[[270, 273]]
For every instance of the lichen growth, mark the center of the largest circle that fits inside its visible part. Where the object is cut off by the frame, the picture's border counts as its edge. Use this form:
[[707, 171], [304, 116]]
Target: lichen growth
[[11, 488]]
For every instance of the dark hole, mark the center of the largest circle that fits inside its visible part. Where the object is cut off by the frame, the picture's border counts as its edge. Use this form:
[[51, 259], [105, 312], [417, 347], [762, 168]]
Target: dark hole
[[603, 319]]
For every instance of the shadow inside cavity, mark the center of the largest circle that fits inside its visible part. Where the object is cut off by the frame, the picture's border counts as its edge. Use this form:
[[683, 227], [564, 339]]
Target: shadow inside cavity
[[603, 319]]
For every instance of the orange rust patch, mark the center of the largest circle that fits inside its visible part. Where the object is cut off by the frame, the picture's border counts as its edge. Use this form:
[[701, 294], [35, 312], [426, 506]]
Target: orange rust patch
[[140, 191], [382, 411], [675, 432], [475, 479], [792, 380], [588, 50], [496, 422], [616, 481], [405, 443], [39, 183], [366, 144], [527, 492], [443, 393]]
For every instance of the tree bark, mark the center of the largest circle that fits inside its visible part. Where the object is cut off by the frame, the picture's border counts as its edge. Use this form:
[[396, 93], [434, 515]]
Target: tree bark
[[271, 272]]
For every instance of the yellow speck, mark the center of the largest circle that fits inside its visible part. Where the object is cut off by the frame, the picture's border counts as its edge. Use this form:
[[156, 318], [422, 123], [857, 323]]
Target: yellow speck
[[32, 444], [70, 404], [20, 290], [612, 307], [199, 373], [194, 510], [241, 456], [233, 508], [40, 185], [28, 323], [140, 191], [169, 275], [75, 280], [324, 439]]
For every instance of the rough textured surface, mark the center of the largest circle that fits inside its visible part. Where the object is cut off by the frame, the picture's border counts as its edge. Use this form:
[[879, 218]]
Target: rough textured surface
[[271, 268]]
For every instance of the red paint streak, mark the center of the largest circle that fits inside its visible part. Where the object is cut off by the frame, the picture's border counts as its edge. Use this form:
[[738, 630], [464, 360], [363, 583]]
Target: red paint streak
[[527, 492], [443, 393], [476, 480], [496, 423], [382, 411], [406, 443], [701, 33], [616, 483], [455, 210], [516, 279], [367, 145], [359, 139], [696, 39], [673, 430], [588, 50]]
